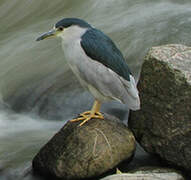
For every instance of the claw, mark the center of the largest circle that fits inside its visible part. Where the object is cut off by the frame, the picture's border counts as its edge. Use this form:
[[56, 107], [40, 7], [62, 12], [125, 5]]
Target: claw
[[77, 119]]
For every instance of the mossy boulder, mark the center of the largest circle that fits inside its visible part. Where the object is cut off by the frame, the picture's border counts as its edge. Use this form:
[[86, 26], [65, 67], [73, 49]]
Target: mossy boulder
[[163, 125], [77, 152]]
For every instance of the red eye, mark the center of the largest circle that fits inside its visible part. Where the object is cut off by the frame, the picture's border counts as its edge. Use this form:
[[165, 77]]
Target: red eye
[[60, 28]]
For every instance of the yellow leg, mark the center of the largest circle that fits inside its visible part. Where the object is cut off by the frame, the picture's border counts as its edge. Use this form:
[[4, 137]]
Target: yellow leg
[[94, 113]]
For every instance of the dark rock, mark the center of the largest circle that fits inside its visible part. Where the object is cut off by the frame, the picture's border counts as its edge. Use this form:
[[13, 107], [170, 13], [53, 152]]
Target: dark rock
[[163, 125], [86, 151], [148, 173]]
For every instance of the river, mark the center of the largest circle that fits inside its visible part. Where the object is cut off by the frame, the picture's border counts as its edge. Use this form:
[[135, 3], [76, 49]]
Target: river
[[38, 92]]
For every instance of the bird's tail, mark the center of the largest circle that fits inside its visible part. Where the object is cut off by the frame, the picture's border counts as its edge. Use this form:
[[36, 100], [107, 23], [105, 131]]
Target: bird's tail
[[132, 97]]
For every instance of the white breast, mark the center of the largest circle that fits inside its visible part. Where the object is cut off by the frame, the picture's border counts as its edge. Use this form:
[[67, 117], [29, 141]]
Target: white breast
[[73, 52]]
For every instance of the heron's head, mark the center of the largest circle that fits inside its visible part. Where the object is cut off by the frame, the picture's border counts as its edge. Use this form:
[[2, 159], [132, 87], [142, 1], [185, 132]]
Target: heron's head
[[64, 25]]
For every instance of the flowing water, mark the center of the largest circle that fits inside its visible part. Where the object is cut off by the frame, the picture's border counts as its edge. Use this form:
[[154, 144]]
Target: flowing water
[[38, 92]]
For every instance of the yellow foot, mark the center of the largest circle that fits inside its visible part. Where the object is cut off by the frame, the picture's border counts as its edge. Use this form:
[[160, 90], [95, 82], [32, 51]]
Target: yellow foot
[[86, 116]]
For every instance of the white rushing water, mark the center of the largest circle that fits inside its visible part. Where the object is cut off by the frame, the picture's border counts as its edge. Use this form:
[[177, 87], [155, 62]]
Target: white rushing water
[[21, 133], [36, 82]]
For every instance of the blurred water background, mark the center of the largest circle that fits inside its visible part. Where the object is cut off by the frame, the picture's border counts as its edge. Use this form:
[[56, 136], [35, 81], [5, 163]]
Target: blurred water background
[[38, 92]]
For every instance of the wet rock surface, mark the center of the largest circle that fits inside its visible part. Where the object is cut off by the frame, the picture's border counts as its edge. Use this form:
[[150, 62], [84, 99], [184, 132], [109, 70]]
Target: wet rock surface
[[163, 125], [86, 151]]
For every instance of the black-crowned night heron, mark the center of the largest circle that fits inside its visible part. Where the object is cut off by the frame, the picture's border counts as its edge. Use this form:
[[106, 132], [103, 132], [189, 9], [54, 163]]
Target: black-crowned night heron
[[97, 63]]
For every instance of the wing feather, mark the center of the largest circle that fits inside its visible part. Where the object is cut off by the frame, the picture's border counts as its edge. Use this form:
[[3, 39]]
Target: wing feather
[[101, 48]]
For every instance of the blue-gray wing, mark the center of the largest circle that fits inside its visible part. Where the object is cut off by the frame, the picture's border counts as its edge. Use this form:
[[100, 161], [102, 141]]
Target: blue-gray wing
[[101, 48]]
